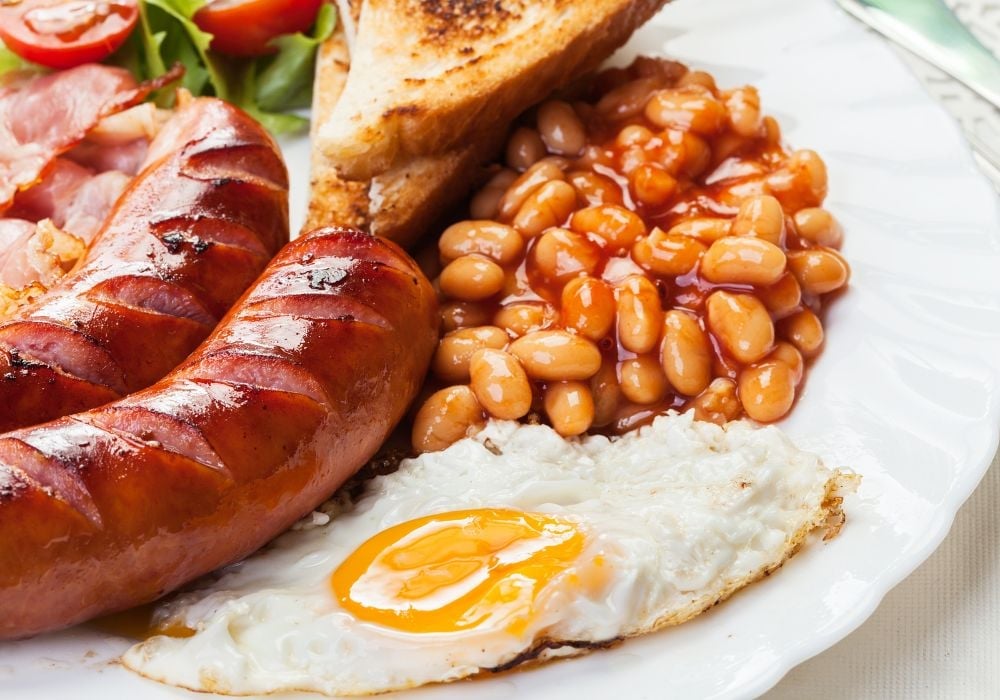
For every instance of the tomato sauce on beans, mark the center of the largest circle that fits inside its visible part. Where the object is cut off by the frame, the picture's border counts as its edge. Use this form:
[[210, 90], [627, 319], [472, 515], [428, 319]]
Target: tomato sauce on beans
[[650, 246]]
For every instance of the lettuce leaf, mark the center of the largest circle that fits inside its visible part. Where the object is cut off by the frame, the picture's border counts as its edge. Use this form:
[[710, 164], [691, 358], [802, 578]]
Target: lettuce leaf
[[183, 42], [267, 87], [286, 81]]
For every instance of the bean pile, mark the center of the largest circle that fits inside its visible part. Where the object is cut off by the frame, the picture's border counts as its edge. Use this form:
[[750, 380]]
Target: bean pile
[[652, 247]]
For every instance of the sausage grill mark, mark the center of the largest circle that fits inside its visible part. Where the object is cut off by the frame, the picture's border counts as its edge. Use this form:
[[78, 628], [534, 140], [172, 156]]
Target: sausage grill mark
[[292, 393], [193, 230]]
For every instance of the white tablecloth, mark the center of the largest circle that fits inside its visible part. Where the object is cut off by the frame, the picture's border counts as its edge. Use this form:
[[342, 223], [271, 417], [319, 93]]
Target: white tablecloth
[[937, 635]]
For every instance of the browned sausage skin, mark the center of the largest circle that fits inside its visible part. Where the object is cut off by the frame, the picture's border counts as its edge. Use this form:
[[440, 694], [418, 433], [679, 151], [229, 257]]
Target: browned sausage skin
[[194, 229], [293, 392]]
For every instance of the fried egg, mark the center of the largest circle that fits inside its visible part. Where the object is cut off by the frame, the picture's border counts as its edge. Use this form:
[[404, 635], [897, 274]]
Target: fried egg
[[511, 545]]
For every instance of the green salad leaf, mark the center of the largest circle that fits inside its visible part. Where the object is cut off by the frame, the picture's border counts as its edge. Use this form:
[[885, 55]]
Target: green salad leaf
[[10, 61], [181, 41], [286, 81], [267, 87]]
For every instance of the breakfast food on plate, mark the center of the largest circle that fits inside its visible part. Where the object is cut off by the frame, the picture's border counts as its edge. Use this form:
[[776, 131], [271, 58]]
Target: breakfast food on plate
[[652, 246], [401, 204], [402, 137], [70, 143], [190, 234], [432, 75], [257, 54], [649, 263], [508, 547], [43, 117], [296, 388]]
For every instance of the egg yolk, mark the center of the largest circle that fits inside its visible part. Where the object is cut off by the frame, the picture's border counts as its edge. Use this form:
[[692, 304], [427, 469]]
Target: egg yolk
[[457, 570]]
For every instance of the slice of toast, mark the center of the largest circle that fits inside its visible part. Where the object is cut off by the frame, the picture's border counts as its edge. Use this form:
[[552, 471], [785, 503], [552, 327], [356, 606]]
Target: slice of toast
[[401, 204], [430, 75]]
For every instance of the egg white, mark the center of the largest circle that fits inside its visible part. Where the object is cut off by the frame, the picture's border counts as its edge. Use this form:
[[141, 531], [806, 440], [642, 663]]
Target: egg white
[[683, 512]]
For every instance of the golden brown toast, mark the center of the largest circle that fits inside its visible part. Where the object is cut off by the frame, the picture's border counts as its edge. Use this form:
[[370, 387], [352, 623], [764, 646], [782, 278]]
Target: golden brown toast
[[401, 204], [430, 75]]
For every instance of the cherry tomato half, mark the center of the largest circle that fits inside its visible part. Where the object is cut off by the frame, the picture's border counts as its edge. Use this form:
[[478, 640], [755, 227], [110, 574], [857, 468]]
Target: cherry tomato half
[[66, 33], [244, 27]]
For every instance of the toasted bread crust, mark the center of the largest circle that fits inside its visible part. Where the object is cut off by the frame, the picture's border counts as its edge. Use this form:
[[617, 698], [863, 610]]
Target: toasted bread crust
[[456, 70], [332, 202], [401, 204], [425, 151]]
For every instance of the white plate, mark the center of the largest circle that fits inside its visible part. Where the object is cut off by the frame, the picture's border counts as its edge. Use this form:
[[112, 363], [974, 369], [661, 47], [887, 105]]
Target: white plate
[[905, 392]]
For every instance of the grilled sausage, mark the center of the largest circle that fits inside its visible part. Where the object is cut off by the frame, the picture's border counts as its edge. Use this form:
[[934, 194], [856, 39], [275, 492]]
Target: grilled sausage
[[292, 393], [191, 233]]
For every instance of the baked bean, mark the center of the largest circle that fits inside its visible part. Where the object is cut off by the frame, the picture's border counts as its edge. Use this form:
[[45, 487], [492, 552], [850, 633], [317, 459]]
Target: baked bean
[[525, 317], [801, 182], [559, 255], [560, 128], [783, 297], [772, 131], [840, 256], [723, 365], [502, 243], [685, 353], [617, 225], [651, 184], [743, 260], [485, 204], [642, 379], [818, 271], [741, 324], [524, 149], [446, 417], [726, 145], [735, 194], [587, 114], [767, 390], [463, 314], [684, 154], [471, 277], [556, 355], [606, 392], [594, 157], [500, 383], [593, 189], [451, 359], [705, 229], [699, 78], [681, 255], [762, 217], [818, 226], [631, 158], [687, 109], [669, 254], [633, 135], [515, 284], [560, 162], [570, 407], [803, 330], [718, 403], [588, 307], [744, 111], [550, 205], [627, 100], [640, 314], [665, 72], [530, 180], [788, 354]]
